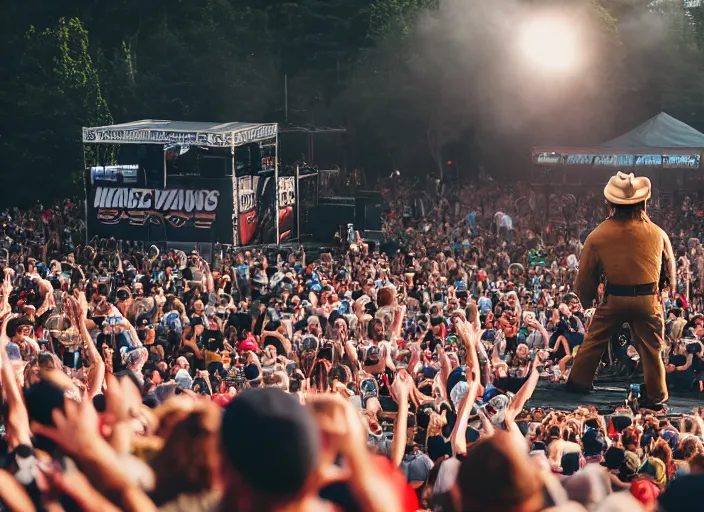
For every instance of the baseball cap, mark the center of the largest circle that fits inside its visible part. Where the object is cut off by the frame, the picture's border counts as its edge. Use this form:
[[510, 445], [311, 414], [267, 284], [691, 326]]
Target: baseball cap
[[270, 440], [249, 344]]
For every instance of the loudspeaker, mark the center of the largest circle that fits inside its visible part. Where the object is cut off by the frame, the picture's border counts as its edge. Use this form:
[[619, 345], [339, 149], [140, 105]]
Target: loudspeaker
[[369, 205], [325, 220], [372, 217], [360, 204]]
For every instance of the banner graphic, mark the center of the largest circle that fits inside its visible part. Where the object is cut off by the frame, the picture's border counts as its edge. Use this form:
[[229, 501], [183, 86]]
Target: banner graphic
[[152, 214], [287, 207]]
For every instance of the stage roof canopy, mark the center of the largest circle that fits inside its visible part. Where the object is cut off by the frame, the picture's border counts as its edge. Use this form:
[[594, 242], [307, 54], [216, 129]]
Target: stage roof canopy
[[662, 131], [661, 141], [150, 131]]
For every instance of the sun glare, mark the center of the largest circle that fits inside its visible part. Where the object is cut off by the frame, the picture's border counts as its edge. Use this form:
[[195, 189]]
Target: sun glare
[[550, 43]]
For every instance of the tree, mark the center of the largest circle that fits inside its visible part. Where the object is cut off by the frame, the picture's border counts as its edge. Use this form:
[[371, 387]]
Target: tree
[[57, 92]]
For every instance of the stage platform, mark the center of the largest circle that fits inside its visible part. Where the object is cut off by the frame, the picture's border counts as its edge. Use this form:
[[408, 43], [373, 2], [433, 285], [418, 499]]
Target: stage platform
[[605, 398]]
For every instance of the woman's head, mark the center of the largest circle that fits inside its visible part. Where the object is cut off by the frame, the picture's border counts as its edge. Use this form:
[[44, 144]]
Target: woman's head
[[522, 352], [376, 330], [386, 297], [689, 447], [189, 462], [662, 451]]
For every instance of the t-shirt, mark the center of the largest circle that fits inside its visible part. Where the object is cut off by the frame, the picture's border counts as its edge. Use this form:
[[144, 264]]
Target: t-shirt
[[484, 304], [535, 340], [416, 466]]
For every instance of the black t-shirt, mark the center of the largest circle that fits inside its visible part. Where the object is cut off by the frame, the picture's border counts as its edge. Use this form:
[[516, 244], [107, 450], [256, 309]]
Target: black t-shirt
[[340, 494]]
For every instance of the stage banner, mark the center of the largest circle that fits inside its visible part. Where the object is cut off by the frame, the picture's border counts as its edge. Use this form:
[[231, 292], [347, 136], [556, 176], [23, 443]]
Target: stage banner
[[214, 138], [247, 209], [268, 156], [190, 210], [287, 208], [688, 159], [548, 158], [256, 206], [681, 161]]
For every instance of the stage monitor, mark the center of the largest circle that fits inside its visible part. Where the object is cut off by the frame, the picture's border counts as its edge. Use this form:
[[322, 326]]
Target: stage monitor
[[326, 219]]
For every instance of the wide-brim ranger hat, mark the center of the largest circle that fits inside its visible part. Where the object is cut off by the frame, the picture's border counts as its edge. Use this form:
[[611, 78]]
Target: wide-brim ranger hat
[[626, 189]]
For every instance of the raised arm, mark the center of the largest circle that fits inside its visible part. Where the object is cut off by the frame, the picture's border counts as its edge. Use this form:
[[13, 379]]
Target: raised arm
[[75, 430], [401, 389], [18, 431], [95, 361]]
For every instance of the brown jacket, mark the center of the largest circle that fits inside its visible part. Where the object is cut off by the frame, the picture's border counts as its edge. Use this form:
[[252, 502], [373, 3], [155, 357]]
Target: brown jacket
[[627, 252]]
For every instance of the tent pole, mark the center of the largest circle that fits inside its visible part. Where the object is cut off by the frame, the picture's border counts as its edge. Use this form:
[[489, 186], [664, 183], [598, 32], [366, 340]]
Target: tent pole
[[298, 204], [276, 186], [236, 199]]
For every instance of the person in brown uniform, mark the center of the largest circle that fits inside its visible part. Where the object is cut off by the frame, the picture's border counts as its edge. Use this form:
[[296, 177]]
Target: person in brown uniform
[[628, 249]]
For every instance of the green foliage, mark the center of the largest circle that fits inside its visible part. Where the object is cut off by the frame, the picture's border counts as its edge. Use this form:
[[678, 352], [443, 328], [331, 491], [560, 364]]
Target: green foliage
[[391, 19], [56, 91], [408, 78]]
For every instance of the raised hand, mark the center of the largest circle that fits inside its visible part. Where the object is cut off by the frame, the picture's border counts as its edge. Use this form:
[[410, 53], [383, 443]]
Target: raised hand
[[402, 386], [4, 338], [75, 427], [7, 283]]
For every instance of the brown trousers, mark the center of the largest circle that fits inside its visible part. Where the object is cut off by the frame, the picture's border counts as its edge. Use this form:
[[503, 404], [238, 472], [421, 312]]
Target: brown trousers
[[644, 314]]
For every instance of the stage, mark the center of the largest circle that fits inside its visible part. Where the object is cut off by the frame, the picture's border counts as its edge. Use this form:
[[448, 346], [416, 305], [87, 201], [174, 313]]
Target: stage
[[605, 398]]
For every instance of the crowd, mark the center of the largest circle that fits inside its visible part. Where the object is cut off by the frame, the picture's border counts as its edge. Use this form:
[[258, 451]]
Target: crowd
[[377, 377]]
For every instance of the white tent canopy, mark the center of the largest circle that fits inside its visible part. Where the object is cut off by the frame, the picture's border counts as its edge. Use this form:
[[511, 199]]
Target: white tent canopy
[[662, 131], [151, 131]]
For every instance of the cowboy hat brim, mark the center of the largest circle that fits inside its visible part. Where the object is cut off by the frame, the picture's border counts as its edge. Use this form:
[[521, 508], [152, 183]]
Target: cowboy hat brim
[[625, 189]]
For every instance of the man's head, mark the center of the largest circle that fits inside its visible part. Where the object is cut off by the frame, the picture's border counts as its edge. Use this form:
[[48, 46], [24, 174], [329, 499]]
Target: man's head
[[498, 475], [181, 364], [271, 445], [627, 194], [313, 323]]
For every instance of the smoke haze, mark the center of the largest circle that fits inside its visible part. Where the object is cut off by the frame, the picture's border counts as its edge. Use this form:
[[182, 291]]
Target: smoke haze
[[467, 71]]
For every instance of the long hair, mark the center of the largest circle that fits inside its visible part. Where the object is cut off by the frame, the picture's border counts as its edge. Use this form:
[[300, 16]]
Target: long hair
[[188, 462], [627, 211]]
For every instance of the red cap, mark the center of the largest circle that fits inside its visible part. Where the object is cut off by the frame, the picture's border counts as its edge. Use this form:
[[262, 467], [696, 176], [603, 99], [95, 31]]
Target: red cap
[[645, 491], [249, 345]]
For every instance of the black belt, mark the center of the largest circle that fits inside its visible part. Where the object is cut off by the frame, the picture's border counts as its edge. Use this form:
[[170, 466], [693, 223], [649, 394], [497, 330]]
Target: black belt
[[638, 290]]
